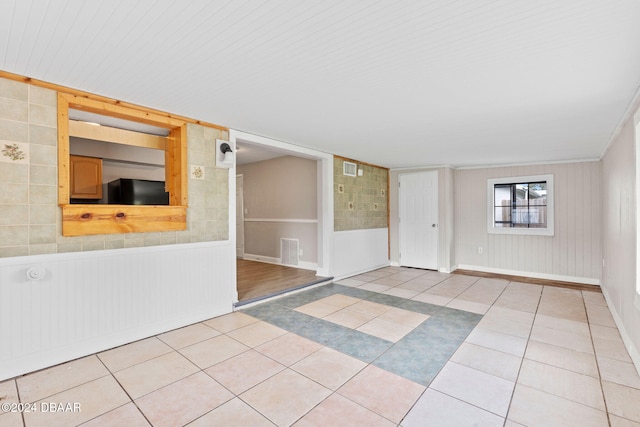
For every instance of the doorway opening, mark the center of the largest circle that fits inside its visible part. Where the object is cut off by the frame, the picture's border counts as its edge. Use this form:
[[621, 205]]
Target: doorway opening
[[282, 211]]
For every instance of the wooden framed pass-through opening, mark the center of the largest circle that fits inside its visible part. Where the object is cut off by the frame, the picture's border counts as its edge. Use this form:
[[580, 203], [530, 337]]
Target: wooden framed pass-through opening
[[87, 219]]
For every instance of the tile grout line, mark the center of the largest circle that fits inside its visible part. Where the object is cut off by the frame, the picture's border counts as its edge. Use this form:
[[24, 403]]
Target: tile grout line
[[515, 384], [131, 400], [15, 383], [505, 418], [595, 356]]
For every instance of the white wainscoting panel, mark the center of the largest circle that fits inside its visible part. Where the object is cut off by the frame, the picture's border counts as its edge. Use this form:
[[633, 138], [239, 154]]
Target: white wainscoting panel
[[358, 251], [575, 249], [91, 301]]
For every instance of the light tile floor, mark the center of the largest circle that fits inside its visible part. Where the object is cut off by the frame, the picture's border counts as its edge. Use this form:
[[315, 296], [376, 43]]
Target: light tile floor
[[391, 347]]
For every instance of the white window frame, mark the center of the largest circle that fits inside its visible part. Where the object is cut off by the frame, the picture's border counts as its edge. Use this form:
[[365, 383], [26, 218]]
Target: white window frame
[[491, 229]]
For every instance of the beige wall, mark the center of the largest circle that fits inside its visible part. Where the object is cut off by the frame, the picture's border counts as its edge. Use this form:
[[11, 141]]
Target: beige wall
[[445, 215], [619, 235], [282, 189], [360, 202], [575, 249], [29, 214]]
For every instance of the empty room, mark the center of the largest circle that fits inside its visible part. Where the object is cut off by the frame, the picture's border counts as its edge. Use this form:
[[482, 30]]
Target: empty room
[[321, 213]]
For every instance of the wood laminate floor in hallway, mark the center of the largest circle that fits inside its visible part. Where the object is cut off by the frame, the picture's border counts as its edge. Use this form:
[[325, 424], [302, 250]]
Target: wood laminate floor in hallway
[[259, 279]]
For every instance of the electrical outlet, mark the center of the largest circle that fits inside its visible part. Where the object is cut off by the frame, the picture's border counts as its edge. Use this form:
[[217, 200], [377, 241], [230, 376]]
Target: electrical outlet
[[480, 250]]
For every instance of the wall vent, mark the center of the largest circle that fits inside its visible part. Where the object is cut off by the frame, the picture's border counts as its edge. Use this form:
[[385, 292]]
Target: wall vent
[[289, 250], [349, 169]]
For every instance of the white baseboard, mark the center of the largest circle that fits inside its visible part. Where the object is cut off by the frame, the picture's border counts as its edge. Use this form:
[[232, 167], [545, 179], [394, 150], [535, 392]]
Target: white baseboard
[[305, 265], [261, 258], [633, 351], [441, 270], [558, 277], [335, 279]]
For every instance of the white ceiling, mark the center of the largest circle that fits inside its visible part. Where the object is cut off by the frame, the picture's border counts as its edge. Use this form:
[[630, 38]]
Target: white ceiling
[[395, 83], [250, 153]]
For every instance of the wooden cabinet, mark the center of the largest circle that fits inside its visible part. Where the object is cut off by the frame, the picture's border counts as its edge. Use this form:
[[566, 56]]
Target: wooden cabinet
[[86, 177]]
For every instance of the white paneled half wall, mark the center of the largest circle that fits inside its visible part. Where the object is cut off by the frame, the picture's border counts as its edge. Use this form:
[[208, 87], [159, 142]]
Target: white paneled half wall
[[55, 308], [358, 251]]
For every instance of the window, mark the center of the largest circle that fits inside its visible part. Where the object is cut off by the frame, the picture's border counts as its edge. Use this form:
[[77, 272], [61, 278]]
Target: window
[[521, 205], [84, 219]]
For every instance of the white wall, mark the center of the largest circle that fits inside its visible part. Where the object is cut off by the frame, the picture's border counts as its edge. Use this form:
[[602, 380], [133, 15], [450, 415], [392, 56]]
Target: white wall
[[280, 201], [358, 251], [619, 237], [572, 254]]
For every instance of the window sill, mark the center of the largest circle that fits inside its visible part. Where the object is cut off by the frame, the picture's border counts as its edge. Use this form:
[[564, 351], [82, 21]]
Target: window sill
[[521, 231], [84, 220]]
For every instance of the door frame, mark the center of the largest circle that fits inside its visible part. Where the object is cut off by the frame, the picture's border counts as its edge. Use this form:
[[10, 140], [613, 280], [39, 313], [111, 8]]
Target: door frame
[[437, 210], [240, 249], [324, 191]]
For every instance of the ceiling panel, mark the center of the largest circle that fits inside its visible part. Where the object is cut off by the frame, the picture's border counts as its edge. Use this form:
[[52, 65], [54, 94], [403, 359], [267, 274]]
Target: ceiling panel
[[395, 83]]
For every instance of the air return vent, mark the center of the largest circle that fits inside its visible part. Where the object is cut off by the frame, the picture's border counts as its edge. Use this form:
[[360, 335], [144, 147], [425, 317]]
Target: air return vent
[[349, 169], [289, 250]]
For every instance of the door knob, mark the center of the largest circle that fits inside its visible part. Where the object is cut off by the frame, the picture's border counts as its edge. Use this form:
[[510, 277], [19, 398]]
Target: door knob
[[434, 225]]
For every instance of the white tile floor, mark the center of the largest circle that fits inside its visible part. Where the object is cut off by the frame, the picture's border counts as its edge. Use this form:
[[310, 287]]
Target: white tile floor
[[540, 356]]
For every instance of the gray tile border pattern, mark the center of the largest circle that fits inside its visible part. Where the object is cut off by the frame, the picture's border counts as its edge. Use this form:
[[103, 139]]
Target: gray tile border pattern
[[418, 356]]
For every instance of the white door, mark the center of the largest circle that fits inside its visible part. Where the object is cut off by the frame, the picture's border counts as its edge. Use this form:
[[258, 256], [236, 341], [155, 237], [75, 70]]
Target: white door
[[418, 209], [239, 216]]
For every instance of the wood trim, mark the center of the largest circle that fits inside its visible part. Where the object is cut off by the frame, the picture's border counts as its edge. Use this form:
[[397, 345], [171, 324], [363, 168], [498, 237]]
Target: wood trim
[[388, 215], [79, 220], [127, 113], [184, 166], [82, 220], [176, 174], [87, 95], [64, 167], [531, 280], [117, 136]]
